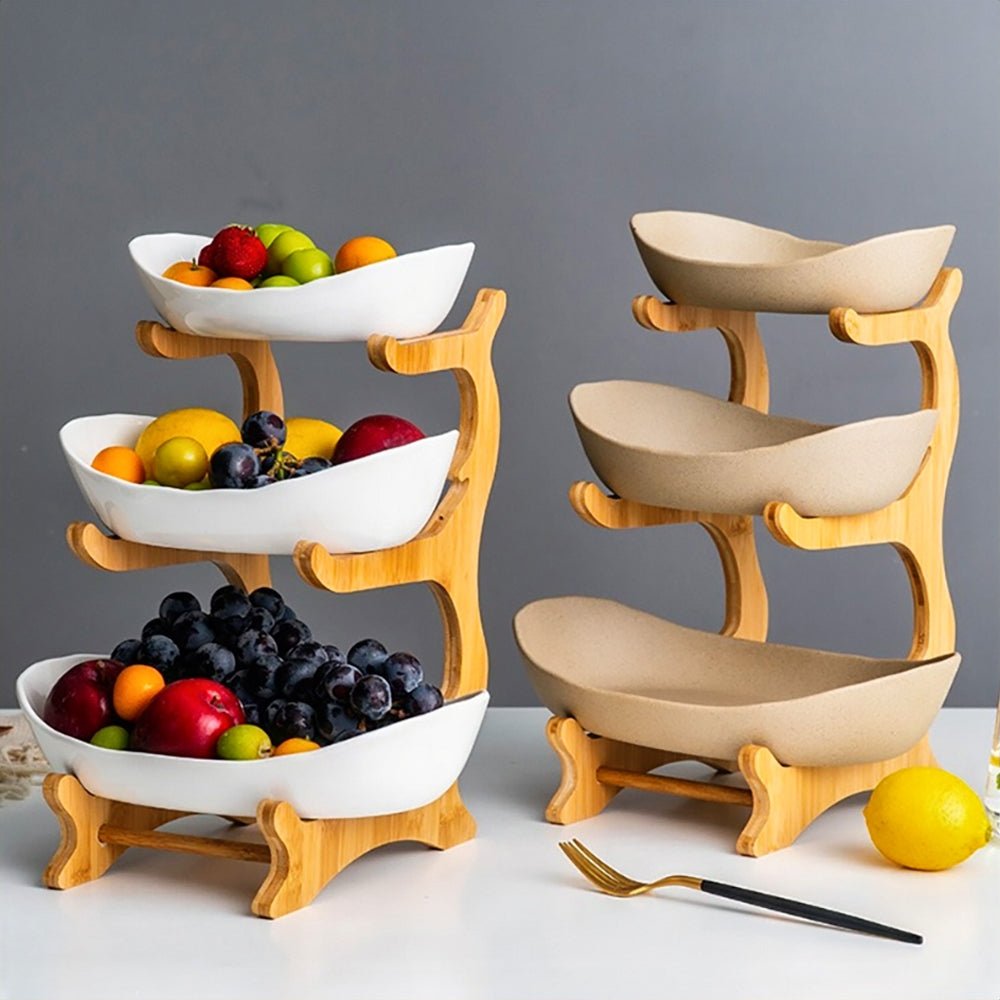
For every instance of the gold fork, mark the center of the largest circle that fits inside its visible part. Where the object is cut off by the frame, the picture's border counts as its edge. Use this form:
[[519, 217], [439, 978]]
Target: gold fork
[[613, 882]]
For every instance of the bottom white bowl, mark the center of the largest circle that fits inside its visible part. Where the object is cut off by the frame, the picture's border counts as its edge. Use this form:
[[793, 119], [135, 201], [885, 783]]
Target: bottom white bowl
[[400, 767]]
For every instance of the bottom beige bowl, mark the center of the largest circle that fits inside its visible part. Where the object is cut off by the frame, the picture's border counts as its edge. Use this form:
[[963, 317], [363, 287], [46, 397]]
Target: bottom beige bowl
[[628, 675]]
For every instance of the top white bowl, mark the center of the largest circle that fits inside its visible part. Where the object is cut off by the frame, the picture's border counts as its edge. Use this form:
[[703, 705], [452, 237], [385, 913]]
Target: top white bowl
[[708, 260], [406, 296]]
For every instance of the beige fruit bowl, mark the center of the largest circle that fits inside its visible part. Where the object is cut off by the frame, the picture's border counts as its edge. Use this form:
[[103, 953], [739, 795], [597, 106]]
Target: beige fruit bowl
[[631, 676], [709, 260], [671, 447]]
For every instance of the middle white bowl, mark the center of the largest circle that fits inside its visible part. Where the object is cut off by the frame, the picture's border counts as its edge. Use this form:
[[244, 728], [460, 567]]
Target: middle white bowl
[[371, 503]]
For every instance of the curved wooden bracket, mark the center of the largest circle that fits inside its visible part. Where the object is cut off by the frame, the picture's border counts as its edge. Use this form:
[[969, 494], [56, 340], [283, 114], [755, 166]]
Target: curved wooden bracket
[[456, 525], [253, 359], [913, 523], [746, 614], [100, 551]]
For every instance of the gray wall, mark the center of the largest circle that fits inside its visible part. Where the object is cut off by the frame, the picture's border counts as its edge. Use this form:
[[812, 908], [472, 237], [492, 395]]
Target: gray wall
[[535, 130]]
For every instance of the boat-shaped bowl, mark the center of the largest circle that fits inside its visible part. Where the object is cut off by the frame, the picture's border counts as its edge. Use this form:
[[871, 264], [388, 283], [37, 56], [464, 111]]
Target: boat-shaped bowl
[[670, 447], [710, 260], [393, 769], [371, 503], [628, 675], [405, 296]]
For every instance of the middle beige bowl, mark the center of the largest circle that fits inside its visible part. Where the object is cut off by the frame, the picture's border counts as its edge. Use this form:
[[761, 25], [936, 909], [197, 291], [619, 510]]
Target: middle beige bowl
[[671, 447]]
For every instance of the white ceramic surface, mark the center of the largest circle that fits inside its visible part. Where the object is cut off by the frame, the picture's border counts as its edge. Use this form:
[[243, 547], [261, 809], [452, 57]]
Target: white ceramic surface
[[402, 766], [371, 503], [631, 676], [406, 296], [709, 260], [672, 447]]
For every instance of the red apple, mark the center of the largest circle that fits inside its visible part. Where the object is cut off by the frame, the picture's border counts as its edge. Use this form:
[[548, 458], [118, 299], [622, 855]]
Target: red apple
[[80, 701], [375, 433], [187, 718]]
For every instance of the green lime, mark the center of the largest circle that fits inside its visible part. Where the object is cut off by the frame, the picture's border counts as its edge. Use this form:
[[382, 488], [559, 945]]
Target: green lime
[[267, 231], [279, 281], [180, 461], [150, 482], [202, 484], [243, 742], [111, 738]]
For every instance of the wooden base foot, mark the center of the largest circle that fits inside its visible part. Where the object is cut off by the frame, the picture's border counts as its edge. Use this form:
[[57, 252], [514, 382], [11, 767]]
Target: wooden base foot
[[783, 800], [787, 799], [304, 855]]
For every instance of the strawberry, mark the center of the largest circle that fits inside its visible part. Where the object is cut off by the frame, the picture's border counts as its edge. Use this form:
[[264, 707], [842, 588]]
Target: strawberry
[[207, 256], [236, 252]]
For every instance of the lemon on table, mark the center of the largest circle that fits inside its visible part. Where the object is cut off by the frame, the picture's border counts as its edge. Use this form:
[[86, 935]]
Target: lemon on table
[[926, 818], [208, 427], [311, 438]]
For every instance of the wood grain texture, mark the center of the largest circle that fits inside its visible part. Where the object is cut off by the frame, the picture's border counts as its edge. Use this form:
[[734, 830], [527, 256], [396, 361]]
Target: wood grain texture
[[100, 551], [81, 855], [253, 359], [307, 854], [912, 524], [787, 799], [445, 555], [746, 607]]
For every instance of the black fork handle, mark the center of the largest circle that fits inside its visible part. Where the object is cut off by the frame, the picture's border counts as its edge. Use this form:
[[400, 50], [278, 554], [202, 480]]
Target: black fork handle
[[820, 914]]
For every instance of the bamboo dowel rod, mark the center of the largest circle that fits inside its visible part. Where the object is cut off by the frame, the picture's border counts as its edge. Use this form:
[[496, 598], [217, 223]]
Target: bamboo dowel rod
[[183, 843], [703, 790]]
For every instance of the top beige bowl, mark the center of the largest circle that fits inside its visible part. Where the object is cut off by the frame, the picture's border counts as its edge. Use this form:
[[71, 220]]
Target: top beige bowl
[[709, 260], [631, 676]]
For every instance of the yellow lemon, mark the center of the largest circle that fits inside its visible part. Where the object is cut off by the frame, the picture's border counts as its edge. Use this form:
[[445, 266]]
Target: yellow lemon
[[311, 438], [208, 427], [926, 818]]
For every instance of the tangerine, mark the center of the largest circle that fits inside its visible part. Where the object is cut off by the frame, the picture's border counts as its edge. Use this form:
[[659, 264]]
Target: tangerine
[[294, 745], [120, 462], [236, 284], [190, 272], [360, 251], [135, 687]]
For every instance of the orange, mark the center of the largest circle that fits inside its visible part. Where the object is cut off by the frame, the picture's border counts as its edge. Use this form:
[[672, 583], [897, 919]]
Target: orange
[[121, 462], [135, 687], [360, 251], [188, 272], [294, 745], [236, 284]]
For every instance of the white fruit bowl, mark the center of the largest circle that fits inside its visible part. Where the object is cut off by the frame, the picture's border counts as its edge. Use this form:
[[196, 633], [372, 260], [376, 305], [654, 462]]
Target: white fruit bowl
[[403, 766], [371, 503], [406, 296]]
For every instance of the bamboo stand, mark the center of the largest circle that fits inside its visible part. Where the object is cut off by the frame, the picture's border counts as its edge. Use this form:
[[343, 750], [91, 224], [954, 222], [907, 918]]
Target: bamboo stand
[[303, 855], [785, 799]]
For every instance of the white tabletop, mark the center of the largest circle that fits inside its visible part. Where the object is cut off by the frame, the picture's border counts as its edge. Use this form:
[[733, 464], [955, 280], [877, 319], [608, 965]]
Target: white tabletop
[[505, 916]]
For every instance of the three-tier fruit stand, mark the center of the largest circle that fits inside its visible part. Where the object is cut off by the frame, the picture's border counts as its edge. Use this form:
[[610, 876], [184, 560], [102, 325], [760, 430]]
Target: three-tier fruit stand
[[304, 854], [783, 799]]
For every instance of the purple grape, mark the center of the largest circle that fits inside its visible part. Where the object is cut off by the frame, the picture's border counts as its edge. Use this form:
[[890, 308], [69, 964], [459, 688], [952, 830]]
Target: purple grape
[[310, 465], [336, 681], [264, 430], [230, 602], [309, 650], [176, 604], [262, 677], [252, 647], [192, 630], [214, 662], [127, 651], [259, 619], [334, 723], [270, 600], [367, 655], [273, 707], [403, 672], [292, 720], [160, 652], [234, 466], [155, 626], [296, 679], [371, 697], [289, 634], [422, 699], [334, 655]]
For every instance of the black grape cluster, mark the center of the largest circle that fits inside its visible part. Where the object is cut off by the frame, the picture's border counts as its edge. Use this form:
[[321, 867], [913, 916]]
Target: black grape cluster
[[289, 684], [260, 458]]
